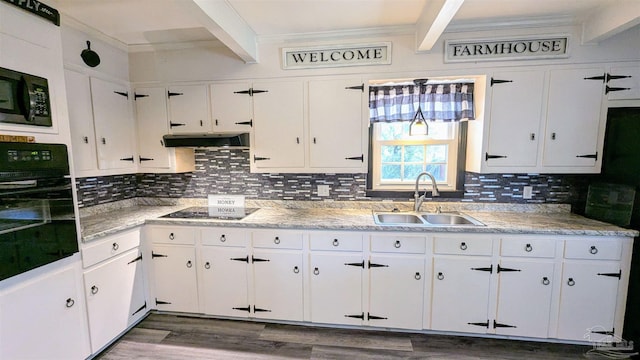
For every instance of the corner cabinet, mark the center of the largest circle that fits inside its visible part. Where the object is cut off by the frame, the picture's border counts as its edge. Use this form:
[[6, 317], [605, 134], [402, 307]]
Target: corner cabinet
[[309, 126], [540, 120]]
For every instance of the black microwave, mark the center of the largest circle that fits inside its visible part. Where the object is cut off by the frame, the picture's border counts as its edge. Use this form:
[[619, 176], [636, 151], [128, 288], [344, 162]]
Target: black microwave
[[24, 99]]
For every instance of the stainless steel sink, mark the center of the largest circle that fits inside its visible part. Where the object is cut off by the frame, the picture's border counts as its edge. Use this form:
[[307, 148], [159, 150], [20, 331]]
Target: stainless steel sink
[[423, 219]]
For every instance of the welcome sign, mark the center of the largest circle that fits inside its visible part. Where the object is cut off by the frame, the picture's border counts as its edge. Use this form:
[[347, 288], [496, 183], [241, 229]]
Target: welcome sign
[[506, 49], [335, 56]]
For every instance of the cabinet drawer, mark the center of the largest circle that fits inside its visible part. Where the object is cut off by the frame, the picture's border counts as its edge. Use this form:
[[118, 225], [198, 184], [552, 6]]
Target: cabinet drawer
[[540, 248], [398, 244], [277, 240], [172, 235], [109, 247], [458, 245], [597, 249], [335, 241], [225, 237]]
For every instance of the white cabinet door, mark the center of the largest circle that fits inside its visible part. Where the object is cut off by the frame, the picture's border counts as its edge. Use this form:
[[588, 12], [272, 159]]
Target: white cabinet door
[[231, 107], [336, 124], [277, 277], [624, 82], [44, 319], [115, 297], [514, 122], [573, 118], [113, 125], [81, 121], [588, 300], [524, 298], [174, 276], [151, 116], [336, 288], [278, 126], [188, 109], [396, 291], [461, 294], [224, 281]]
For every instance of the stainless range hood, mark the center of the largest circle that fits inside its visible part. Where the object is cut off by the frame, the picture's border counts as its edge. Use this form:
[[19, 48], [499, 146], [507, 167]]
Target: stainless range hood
[[206, 140]]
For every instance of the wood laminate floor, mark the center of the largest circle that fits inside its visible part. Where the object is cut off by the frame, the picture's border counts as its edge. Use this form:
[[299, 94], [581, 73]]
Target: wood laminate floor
[[169, 337]]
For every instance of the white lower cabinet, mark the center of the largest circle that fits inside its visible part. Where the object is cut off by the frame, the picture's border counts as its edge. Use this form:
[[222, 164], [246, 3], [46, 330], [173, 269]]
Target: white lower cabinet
[[115, 294], [225, 281], [45, 318], [278, 288], [174, 275]]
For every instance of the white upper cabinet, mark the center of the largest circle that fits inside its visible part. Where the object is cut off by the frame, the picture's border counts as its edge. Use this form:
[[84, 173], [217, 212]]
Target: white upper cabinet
[[81, 119], [335, 124], [188, 109], [623, 82], [231, 107], [278, 127]]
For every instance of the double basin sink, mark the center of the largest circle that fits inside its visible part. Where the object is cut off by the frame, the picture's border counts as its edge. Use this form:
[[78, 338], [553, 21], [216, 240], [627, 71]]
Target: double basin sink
[[423, 219]]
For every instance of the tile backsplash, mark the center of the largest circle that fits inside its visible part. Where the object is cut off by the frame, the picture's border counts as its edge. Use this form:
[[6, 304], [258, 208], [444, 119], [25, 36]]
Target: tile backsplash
[[226, 171]]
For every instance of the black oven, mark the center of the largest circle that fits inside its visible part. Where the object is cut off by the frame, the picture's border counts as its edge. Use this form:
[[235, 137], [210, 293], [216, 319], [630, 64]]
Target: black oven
[[37, 220]]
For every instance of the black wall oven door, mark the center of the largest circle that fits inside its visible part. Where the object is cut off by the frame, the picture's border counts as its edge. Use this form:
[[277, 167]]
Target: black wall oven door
[[37, 220]]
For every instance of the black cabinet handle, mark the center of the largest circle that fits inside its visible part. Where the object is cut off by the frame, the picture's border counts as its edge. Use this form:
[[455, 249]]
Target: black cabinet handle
[[417, 276], [361, 158], [85, 139], [463, 246], [207, 265], [115, 246], [546, 281], [316, 271], [296, 269], [571, 282], [440, 276], [593, 250], [70, 302], [94, 290], [189, 264], [528, 248]]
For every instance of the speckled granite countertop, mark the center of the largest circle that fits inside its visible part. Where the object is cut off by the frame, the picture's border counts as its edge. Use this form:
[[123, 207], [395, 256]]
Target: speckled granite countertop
[[505, 218]]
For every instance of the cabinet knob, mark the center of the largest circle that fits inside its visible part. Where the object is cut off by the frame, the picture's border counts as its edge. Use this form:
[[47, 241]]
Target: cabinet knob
[[463, 246], [103, 141], [296, 270], [115, 246], [545, 281], [316, 271], [171, 236], [553, 136], [417, 276], [528, 248], [593, 250], [207, 265], [336, 242], [397, 244], [94, 289], [223, 238], [70, 302], [532, 136], [85, 139], [276, 240], [440, 276], [189, 264], [571, 282]]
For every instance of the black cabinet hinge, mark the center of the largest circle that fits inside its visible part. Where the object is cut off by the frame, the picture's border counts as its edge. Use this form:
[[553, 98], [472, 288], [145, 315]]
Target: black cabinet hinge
[[250, 91], [154, 255], [487, 156], [361, 158], [250, 123], [489, 269], [373, 317], [127, 159], [170, 94], [172, 124], [617, 275], [141, 308], [498, 81], [361, 316], [589, 156], [144, 159], [247, 309], [608, 89], [356, 87], [499, 325], [136, 96], [604, 332], [139, 258], [121, 93], [254, 259], [160, 302], [359, 264], [500, 268], [260, 158], [257, 309], [373, 265], [602, 77], [483, 324], [244, 259]]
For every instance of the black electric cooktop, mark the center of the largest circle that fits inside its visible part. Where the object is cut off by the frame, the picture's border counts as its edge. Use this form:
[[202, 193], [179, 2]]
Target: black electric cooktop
[[206, 212]]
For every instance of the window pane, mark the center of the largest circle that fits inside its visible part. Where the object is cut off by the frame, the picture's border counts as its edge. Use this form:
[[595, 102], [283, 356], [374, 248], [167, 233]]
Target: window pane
[[414, 153], [439, 171], [441, 130], [392, 131], [391, 153], [390, 172], [437, 153], [411, 171]]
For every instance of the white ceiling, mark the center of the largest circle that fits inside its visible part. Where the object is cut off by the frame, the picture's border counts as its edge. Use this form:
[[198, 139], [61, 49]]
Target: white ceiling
[[236, 23]]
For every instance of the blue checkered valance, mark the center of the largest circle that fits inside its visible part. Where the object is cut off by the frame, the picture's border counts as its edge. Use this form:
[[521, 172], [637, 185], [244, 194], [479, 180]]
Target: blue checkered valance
[[438, 102]]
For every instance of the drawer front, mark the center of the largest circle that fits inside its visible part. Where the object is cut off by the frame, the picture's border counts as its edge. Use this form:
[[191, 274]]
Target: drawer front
[[109, 247], [225, 237], [277, 240], [539, 248], [398, 244], [456, 245], [172, 235], [596, 249], [335, 241]]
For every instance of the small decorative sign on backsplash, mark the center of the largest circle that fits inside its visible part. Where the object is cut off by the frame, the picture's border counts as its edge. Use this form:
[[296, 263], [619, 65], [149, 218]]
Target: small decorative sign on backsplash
[[539, 47], [336, 56]]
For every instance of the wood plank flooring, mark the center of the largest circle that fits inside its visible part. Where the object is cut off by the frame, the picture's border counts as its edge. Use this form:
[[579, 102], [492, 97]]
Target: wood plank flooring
[[169, 337]]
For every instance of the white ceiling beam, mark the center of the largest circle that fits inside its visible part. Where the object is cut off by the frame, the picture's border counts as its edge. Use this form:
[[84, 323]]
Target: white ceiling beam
[[616, 17], [433, 20], [221, 19]]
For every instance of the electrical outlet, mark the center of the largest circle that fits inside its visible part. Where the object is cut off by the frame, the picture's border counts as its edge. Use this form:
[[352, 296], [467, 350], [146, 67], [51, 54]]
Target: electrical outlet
[[527, 192], [323, 190]]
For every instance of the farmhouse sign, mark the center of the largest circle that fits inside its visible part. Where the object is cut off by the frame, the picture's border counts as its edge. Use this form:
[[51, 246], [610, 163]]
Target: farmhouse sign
[[335, 56], [38, 8], [506, 49]]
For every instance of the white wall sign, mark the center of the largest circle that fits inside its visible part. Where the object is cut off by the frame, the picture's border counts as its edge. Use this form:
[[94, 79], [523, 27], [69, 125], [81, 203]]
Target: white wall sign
[[335, 56], [506, 49]]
